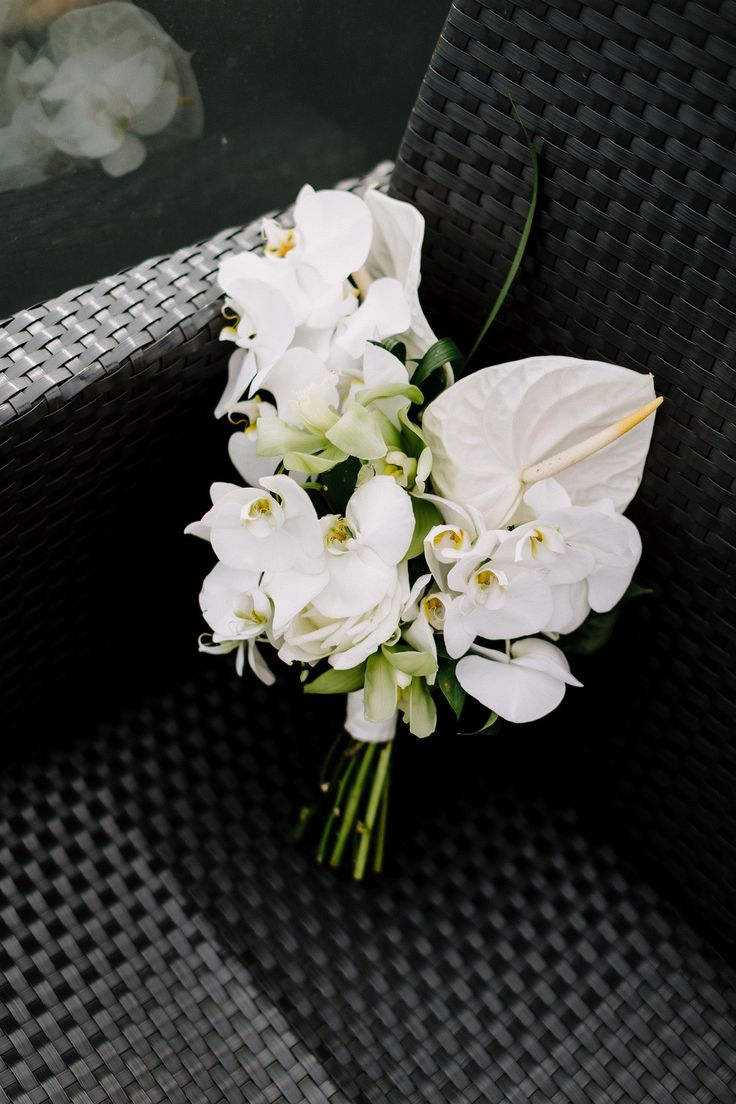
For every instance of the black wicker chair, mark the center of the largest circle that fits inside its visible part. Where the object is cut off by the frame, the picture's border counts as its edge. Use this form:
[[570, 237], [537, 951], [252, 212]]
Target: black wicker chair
[[558, 924]]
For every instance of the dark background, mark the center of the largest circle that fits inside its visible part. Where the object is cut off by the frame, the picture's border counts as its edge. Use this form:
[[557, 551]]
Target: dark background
[[294, 91]]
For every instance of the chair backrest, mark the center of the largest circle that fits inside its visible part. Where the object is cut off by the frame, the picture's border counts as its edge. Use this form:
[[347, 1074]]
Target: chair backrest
[[632, 261]]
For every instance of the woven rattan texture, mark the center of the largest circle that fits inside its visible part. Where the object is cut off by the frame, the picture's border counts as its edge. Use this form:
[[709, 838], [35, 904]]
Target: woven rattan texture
[[164, 940], [106, 427], [633, 260]]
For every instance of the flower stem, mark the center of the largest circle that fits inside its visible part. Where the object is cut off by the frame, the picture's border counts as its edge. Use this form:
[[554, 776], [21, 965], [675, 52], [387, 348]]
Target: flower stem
[[336, 809], [381, 833], [374, 801], [365, 755]]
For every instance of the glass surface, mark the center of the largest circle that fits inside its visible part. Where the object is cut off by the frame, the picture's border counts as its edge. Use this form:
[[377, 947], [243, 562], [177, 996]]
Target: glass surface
[[127, 132]]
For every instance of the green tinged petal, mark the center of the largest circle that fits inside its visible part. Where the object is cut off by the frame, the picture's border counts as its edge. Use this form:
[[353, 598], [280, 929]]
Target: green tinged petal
[[381, 693], [313, 465], [276, 437], [421, 711], [389, 391], [410, 662], [358, 433]]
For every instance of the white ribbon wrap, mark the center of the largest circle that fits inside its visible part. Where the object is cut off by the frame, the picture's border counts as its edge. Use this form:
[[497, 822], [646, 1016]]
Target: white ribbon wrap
[[368, 731]]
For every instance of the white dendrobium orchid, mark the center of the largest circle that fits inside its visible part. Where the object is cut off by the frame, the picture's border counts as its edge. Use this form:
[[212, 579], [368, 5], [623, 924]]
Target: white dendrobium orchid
[[396, 251], [233, 605], [520, 687], [275, 529], [423, 617], [586, 554], [304, 389], [493, 425], [360, 606]]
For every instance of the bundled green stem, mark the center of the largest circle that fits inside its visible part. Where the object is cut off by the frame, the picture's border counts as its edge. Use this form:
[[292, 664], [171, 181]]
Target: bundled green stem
[[350, 817]]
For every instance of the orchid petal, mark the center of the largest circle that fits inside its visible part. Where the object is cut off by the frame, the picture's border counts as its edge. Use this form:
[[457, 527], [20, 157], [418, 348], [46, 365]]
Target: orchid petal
[[380, 513], [336, 229]]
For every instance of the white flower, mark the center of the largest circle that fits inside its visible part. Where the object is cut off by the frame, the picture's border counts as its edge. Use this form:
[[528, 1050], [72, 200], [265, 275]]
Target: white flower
[[310, 262], [119, 79], [588, 554], [493, 601], [243, 444], [349, 640], [520, 687], [263, 329], [233, 605], [360, 728], [494, 424], [304, 389], [359, 607], [256, 530], [396, 251], [423, 617]]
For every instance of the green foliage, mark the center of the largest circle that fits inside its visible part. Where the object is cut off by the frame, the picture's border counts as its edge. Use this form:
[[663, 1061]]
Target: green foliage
[[340, 483], [450, 687], [426, 515], [597, 628], [337, 682], [490, 724], [523, 240], [442, 352], [393, 345]]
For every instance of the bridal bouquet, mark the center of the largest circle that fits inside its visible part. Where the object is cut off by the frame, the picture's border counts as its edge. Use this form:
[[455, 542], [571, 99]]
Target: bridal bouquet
[[398, 537]]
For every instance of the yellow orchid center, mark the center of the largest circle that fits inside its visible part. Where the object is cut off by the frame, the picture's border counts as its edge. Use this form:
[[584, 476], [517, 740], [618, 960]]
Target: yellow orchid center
[[284, 242]]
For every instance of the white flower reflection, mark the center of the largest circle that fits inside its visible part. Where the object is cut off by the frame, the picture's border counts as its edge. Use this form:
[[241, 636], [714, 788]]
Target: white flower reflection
[[106, 80]]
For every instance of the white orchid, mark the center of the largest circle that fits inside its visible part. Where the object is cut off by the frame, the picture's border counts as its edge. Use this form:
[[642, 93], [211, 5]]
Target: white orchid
[[119, 78], [396, 251], [489, 430], [239, 614], [493, 601], [360, 728], [270, 529], [522, 686], [262, 326], [310, 262], [243, 444], [587, 554], [359, 607]]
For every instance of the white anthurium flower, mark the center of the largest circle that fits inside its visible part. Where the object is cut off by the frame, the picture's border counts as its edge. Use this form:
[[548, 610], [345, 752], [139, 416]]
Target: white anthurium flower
[[243, 445], [270, 529], [346, 641], [520, 687], [496, 423], [233, 604], [588, 554], [396, 251]]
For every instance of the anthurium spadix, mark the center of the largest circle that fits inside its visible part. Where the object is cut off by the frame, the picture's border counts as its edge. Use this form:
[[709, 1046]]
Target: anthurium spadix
[[494, 425]]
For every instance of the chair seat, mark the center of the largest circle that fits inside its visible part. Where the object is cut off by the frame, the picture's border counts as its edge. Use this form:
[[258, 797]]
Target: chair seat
[[165, 940]]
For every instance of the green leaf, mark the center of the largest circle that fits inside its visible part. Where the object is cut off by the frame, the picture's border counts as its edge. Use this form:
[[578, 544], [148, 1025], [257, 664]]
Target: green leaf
[[381, 692], [597, 628], [393, 345], [523, 240], [442, 352], [340, 483], [337, 682], [426, 515], [410, 662], [450, 687], [493, 720]]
